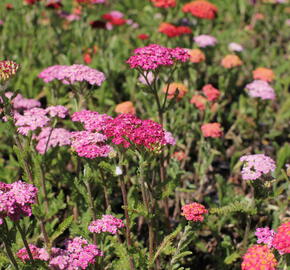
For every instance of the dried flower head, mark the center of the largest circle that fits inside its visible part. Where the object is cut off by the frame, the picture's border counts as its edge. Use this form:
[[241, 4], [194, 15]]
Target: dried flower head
[[7, 70], [194, 211]]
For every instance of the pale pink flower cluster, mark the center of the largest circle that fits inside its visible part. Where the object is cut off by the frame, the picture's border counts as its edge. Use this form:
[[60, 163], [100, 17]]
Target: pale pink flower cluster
[[204, 41], [16, 199], [150, 78], [79, 254], [256, 165], [37, 253], [22, 103], [265, 236], [235, 47], [261, 89], [57, 111], [49, 137], [155, 56], [169, 138], [107, 223], [72, 74]]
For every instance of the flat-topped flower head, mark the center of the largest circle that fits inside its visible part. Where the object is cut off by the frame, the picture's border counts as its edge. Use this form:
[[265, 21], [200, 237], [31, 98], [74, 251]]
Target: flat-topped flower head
[[7, 70], [261, 89], [72, 74], [264, 74], [212, 130], [199, 102], [235, 47], [211, 92], [204, 41], [37, 253], [256, 166], [179, 88], [107, 223], [196, 56], [231, 61], [57, 111], [265, 236], [16, 199], [155, 56], [194, 211], [171, 30], [125, 107], [281, 240], [164, 3], [201, 9], [259, 257]]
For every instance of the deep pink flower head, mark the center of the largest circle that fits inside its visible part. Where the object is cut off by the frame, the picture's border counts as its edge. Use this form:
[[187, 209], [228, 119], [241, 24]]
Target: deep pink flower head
[[37, 253], [107, 223], [265, 236], [155, 56], [16, 199], [211, 93], [194, 211], [79, 254], [256, 166], [281, 240], [49, 138], [261, 89], [72, 74], [259, 257], [205, 41]]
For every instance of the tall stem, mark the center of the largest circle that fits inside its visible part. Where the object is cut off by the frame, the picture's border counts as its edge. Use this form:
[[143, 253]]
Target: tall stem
[[23, 236]]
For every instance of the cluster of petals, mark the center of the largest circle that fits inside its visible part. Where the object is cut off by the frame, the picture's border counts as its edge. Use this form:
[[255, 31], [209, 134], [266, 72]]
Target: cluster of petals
[[108, 223], [171, 30], [235, 47], [179, 155], [90, 144], [211, 92], [281, 241], [212, 130], [114, 18], [231, 61], [194, 211], [196, 56], [259, 257], [256, 165], [172, 89], [164, 3], [201, 9], [22, 103], [16, 199], [265, 236], [264, 74], [52, 137], [125, 107], [261, 89], [155, 56], [37, 253], [57, 111], [169, 139], [205, 41], [72, 74], [7, 69], [199, 102], [79, 254]]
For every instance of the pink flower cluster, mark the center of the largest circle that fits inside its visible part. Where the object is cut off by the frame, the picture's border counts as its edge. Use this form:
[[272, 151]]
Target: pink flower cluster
[[16, 199], [211, 92], [155, 56], [194, 211], [107, 223], [22, 103], [205, 41], [72, 74], [281, 241], [256, 166], [37, 253], [261, 89], [49, 138], [265, 236], [77, 255], [57, 111]]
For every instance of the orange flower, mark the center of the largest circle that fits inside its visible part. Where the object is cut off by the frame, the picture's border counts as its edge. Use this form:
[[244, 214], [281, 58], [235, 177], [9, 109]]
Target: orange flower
[[212, 130], [264, 74], [125, 107], [201, 9], [173, 87], [199, 102], [196, 56], [231, 61], [179, 155]]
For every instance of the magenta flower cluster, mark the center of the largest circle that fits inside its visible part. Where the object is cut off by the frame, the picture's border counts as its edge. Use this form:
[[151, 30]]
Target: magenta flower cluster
[[72, 74], [37, 253], [265, 236], [261, 89], [16, 200], [107, 223], [155, 56], [204, 41], [256, 165]]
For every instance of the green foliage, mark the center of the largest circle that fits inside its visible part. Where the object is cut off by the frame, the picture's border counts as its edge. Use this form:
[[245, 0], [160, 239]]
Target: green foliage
[[238, 206], [61, 228]]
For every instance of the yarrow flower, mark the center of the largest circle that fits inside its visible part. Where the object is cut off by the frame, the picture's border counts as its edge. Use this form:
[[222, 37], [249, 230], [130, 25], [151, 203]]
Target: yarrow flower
[[79, 254], [201, 9], [196, 56], [281, 240], [231, 61], [212, 130], [21, 103], [259, 257], [150, 78], [265, 236], [194, 211], [169, 138], [199, 102], [57, 111], [172, 88], [37, 253], [210, 92], [205, 41], [7, 69], [260, 89], [256, 166], [171, 30], [164, 3], [235, 47], [125, 107], [107, 223], [114, 18], [16, 199], [72, 74], [155, 56], [264, 74]]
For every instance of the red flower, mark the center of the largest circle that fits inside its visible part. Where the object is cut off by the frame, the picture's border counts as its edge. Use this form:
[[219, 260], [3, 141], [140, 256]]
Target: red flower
[[201, 9], [9, 6], [98, 24], [54, 5], [164, 3], [212, 130], [113, 20], [173, 31], [31, 2], [143, 36], [87, 58], [194, 211]]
